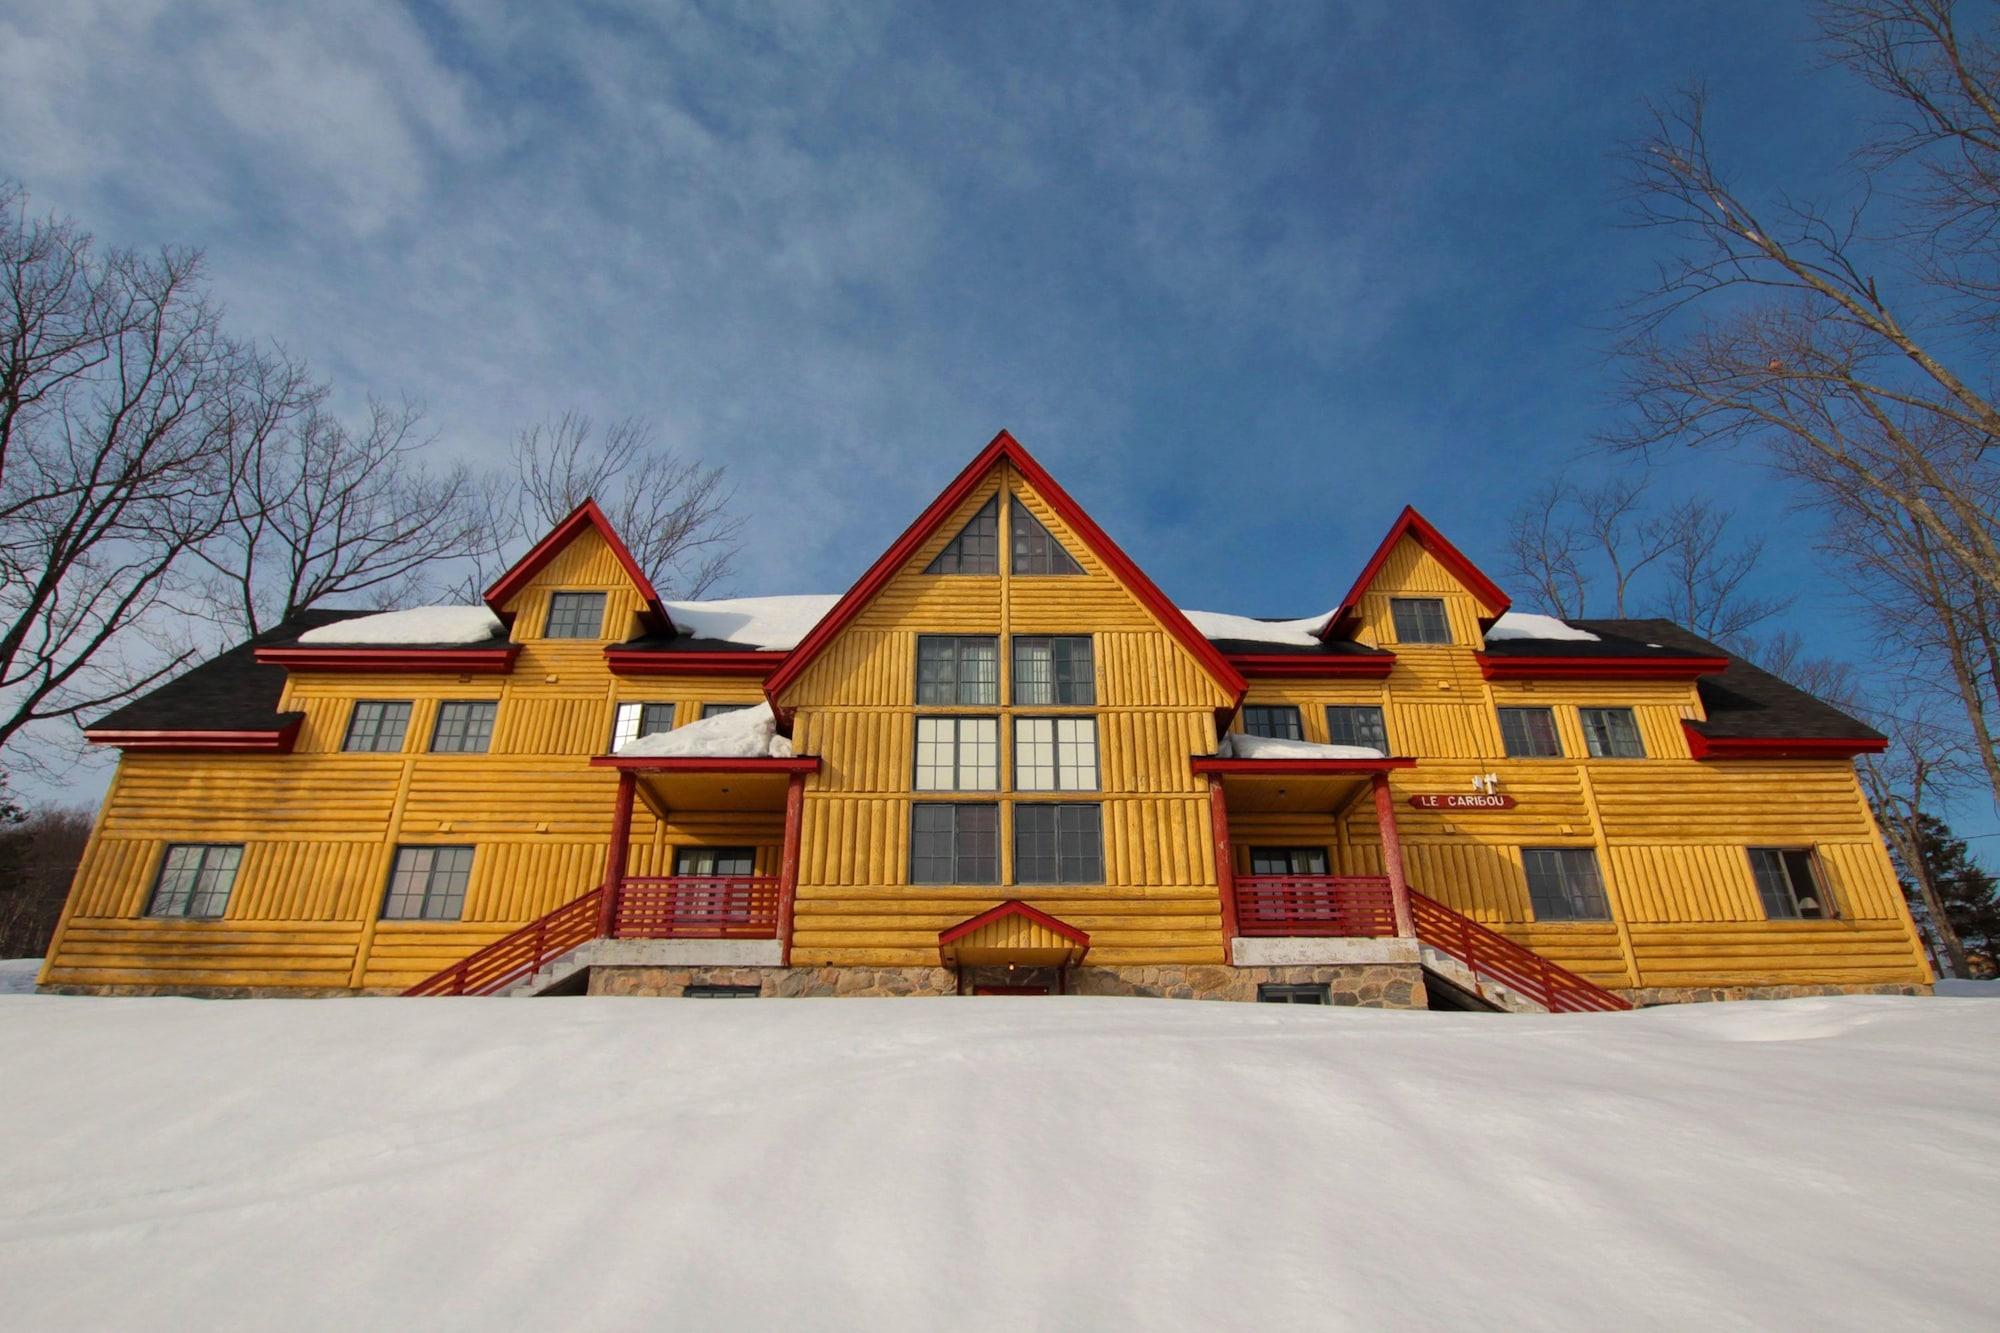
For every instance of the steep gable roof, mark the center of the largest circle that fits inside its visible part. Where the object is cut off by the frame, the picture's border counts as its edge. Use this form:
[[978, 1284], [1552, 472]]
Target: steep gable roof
[[585, 515], [1419, 529], [1004, 448]]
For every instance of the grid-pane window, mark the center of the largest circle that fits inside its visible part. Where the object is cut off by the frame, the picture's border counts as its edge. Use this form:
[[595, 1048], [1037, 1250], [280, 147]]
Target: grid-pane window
[[1530, 733], [954, 843], [714, 991], [717, 710], [1280, 722], [1357, 724], [1059, 670], [976, 548], [1055, 754], [716, 862], [377, 726], [576, 615], [631, 721], [958, 753], [195, 879], [1036, 551], [428, 884], [1294, 992], [464, 727], [1288, 861], [1563, 884], [1611, 733], [1789, 885], [1420, 620], [1058, 844], [958, 669]]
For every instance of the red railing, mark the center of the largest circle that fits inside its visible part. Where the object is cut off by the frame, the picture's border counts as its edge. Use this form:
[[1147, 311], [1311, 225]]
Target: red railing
[[697, 907], [1493, 957], [521, 954], [1314, 905]]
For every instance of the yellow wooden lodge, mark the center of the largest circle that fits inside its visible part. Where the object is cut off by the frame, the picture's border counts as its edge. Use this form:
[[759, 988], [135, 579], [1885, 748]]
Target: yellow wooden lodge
[[1002, 762]]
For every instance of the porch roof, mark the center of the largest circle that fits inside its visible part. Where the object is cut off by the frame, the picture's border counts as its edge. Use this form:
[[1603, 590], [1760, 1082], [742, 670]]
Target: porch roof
[[1012, 932]]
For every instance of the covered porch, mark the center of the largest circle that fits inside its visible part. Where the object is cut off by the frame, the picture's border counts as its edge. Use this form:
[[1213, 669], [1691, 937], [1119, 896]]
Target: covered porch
[[1302, 896]]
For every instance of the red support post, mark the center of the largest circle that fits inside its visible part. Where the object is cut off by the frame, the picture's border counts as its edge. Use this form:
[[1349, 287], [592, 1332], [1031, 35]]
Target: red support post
[[616, 853], [1225, 865], [1392, 855], [788, 864]]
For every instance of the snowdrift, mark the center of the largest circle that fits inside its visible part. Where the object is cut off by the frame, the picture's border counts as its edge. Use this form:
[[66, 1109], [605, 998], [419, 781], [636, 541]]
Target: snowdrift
[[1005, 1163]]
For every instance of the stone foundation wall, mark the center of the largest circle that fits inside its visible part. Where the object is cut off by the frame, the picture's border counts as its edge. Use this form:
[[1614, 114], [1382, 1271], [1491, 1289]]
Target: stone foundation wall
[[778, 982], [1644, 997]]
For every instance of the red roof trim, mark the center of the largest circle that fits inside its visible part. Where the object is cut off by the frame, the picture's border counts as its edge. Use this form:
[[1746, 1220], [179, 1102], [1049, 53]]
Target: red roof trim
[[1598, 668], [585, 515], [1014, 907], [1003, 446], [695, 763], [1277, 768], [276, 740], [1300, 664], [1779, 747], [446, 661], [642, 662], [1411, 523]]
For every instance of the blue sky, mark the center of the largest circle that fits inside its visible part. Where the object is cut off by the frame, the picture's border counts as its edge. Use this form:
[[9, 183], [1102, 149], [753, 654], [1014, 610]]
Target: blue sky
[[1246, 279]]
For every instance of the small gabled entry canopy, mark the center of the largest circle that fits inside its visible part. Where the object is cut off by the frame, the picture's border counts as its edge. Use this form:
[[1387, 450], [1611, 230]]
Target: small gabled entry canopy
[[586, 515], [1012, 934]]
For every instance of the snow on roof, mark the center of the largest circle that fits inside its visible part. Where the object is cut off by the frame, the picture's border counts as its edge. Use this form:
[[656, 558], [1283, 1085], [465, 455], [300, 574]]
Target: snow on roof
[[419, 624], [771, 623], [1528, 625], [746, 733], [1239, 746], [1222, 625]]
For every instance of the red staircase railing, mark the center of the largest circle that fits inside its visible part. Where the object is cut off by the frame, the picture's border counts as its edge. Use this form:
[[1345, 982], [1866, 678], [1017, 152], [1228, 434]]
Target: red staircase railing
[[1314, 905], [521, 954], [1493, 957]]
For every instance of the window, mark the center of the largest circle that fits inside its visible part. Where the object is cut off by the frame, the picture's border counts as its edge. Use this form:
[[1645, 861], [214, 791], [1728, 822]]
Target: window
[[717, 710], [1789, 883], [1296, 992], [428, 884], [1058, 844], [716, 862], [1278, 721], [377, 727], [1420, 620], [631, 721], [195, 879], [1035, 551], [575, 615], [958, 670], [699, 991], [1610, 733], [463, 727], [1563, 884], [954, 843], [1530, 733], [1288, 860], [976, 548], [958, 753], [1055, 754], [1357, 724], [1054, 671]]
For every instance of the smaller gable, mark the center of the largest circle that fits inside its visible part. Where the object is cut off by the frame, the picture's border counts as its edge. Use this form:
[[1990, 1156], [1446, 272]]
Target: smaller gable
[[1035, 548], [1417, 528], [1012, 932], [976, 548], [585, 517]]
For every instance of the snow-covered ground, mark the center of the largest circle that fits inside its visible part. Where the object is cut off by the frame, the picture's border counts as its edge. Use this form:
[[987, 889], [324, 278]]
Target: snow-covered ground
[[1007, 1163], [17, 977]]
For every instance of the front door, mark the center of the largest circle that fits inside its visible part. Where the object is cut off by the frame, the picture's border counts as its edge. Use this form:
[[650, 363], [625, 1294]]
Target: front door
[[719, 905]]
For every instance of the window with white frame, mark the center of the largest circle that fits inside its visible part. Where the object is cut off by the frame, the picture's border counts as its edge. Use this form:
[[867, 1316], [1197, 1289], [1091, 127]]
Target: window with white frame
[[195, 879], [958, 754], [1788, 883], [633, 720], [1055, 754], [1611, 733]]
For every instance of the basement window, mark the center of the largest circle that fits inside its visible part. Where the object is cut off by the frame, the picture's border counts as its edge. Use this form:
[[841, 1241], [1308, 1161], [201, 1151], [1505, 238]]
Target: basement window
[[1563, 884], [1271, 992], [1789, 883], [1420, 620], [195, 879], [708, 992]]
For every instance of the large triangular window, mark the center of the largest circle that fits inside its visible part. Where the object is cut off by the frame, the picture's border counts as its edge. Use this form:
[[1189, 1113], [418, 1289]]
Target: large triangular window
[[976, 548], [1035, 551]]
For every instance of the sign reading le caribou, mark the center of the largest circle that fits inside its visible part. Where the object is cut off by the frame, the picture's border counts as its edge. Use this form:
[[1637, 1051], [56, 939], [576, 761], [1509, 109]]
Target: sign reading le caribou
[[1461, 801]]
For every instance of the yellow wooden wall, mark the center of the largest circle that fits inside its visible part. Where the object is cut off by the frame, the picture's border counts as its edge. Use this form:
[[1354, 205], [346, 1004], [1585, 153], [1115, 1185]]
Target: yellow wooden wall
[[853, 708]]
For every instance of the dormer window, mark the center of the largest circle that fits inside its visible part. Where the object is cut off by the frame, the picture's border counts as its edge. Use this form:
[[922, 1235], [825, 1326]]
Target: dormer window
[[575, 615], [1420, 620]]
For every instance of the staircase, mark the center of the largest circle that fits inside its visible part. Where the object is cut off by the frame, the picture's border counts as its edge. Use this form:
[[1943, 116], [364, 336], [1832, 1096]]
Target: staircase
[[517, 961], [1496, 971]]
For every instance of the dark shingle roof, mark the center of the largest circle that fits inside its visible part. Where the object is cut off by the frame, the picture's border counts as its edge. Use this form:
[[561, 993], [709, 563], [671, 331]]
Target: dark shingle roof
[[684, 643], [232, 692]]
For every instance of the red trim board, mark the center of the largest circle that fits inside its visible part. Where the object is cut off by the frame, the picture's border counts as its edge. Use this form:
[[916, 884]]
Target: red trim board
[[447, 661], [276, 740], [1780, 747], [641, 662], [1256, 665], [1494, 667]]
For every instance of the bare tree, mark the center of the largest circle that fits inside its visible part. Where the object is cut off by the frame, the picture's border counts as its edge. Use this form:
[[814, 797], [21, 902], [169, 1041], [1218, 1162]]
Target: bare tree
[[1705, 574], [324, 513], [1902, 785], [38, 859], [1546, 549], [124, 413]]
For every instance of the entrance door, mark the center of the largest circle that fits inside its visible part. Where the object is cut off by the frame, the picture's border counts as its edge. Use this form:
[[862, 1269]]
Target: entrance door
[[1010, 990], [715, 906], [1294, 902]]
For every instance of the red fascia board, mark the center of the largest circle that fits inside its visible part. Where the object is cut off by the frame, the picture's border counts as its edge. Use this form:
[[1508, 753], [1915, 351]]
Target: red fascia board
[[694, 763], [1003, 446], [625, 662], [442, 661], [1278, 768], [1299, 664], [1411, 523], [1598, 668], [1014, 907], [585, 515], [1780, 747], [275, 740]]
